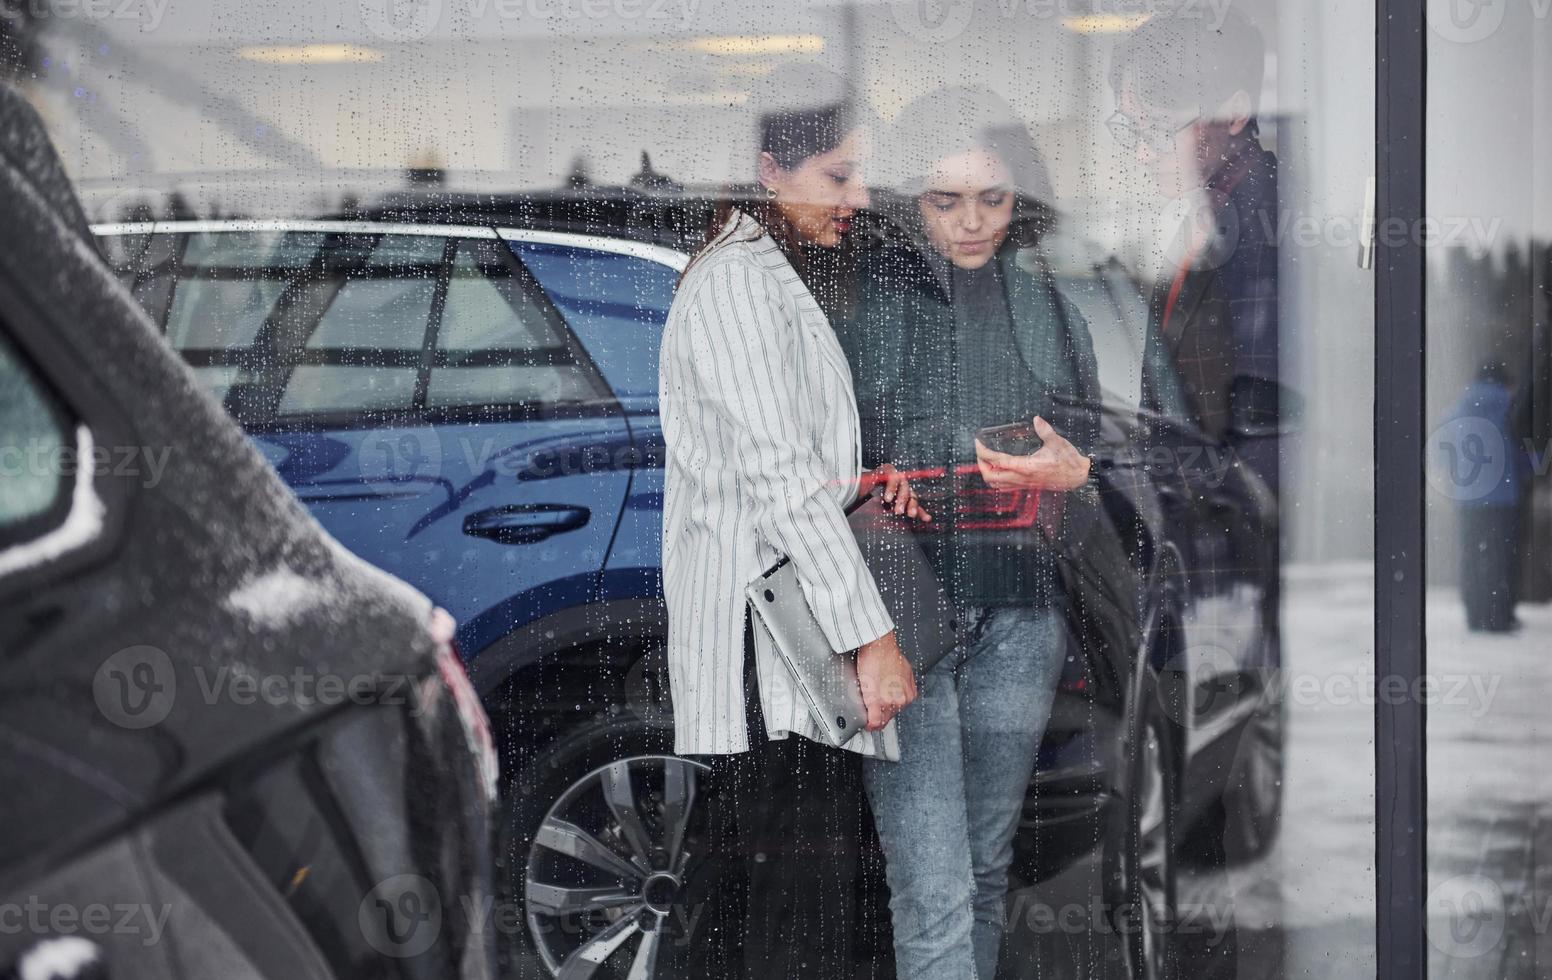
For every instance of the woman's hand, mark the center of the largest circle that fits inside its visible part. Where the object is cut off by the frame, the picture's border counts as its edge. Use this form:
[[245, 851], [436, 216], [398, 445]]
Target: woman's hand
[[898, 494], [888, 684], [1057, 465]]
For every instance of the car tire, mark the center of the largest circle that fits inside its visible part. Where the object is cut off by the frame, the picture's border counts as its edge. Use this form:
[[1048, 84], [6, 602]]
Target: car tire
[[1253, 795], [1141, 853], [583, 833]]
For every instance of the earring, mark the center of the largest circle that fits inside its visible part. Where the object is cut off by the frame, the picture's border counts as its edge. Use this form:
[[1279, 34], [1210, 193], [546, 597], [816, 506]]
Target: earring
[[770, 193]]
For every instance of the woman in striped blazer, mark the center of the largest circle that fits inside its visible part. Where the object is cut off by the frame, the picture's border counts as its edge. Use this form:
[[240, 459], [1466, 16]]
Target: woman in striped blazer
[[763, 455]]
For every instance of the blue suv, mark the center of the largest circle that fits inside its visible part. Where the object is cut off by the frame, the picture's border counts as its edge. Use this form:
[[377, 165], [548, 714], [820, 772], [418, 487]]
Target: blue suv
[[468, 399]]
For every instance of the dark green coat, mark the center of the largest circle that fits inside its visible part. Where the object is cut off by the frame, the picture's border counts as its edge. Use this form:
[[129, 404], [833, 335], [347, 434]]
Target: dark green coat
[[899, 340]]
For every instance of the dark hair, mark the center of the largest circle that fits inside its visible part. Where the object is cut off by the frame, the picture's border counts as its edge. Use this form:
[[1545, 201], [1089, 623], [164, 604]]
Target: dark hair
[[1179, 61], [791, 134], [949, 121]]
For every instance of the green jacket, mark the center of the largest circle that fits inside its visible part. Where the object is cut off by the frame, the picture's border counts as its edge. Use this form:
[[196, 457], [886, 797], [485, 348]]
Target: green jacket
[[899, 340]]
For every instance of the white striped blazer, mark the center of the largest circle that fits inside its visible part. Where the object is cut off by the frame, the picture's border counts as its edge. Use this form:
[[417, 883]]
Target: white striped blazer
[[763, 455]]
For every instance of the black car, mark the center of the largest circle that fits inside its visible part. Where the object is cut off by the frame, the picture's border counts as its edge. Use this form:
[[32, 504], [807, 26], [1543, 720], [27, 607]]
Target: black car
[[228, 746]]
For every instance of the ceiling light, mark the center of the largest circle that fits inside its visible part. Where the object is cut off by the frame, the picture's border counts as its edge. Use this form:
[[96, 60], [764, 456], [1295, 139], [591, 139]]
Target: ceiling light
[[759, 44], [311, 54], [1105, 23]]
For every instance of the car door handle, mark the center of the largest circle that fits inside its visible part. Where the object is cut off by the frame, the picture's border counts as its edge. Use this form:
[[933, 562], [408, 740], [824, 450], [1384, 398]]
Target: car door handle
[[525, 523]]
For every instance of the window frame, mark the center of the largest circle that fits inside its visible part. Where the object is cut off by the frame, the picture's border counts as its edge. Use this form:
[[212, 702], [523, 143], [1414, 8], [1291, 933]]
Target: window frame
[[1400, 539], [39, 525], [267, 419], [28, 325]]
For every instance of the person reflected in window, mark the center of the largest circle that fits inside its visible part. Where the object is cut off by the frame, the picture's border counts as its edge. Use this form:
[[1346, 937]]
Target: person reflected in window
[[957, 327], [762, 455], [1188, 97], [1488, 471]]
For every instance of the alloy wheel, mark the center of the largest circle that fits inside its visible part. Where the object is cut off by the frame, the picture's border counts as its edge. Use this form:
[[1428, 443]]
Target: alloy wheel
[[608, 865]]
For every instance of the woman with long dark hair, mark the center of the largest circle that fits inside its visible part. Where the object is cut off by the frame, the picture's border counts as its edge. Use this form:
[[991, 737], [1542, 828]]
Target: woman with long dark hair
[[763, 455], [955, 331]]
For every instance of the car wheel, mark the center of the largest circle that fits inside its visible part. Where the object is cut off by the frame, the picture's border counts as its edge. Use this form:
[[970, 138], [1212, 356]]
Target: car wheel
[[595, 856], [1253, 795], [1143, 844]]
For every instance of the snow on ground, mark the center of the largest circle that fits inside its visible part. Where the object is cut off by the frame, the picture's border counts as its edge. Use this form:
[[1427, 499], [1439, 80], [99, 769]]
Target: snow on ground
[[1489, 705]]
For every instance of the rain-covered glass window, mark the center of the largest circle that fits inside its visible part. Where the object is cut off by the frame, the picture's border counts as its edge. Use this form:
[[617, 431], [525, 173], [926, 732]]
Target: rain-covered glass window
[[621, 329]]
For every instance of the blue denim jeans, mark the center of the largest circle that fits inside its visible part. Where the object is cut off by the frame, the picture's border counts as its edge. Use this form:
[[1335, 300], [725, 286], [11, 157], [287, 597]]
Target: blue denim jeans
[[947, 811]]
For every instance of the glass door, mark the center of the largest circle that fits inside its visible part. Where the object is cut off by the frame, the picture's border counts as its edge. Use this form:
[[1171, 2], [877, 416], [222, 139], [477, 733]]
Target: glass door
[[1150, 221], [1489, 505]]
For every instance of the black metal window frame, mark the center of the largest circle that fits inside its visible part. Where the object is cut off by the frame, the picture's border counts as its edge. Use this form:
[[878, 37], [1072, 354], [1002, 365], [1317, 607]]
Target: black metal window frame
[[1400, 638]]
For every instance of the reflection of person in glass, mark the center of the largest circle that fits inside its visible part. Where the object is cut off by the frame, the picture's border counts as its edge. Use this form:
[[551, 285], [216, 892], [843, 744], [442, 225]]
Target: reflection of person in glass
[[1188, 97], [952, 333], [1489, 470], [760, 426]]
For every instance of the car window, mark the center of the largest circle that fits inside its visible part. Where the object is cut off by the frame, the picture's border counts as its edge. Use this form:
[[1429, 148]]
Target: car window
[[33, 440], [388, 314], [616, 303], [496, 344], [234, 302], [289, 325]]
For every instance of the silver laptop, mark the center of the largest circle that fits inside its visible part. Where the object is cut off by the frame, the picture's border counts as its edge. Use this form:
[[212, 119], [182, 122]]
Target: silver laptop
[[925, 624], [827, 680]]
